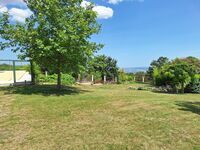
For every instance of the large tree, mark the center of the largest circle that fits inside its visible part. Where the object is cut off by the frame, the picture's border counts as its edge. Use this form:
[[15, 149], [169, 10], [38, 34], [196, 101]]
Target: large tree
[[56, 36]]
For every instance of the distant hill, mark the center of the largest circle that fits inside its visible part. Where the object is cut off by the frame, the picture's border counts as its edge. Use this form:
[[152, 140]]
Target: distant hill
[[135, 69]]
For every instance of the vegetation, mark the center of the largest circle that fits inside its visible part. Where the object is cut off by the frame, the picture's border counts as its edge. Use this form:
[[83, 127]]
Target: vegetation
[[157, 64], [102, 66], [97, 117], [56, 36], [194, 86], [65, 78], [178, 75]]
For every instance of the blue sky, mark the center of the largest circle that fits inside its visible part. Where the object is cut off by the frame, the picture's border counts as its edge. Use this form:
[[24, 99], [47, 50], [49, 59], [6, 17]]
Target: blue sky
[[135, 32]]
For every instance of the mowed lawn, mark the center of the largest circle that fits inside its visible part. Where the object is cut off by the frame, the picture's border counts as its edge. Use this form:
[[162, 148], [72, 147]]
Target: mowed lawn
[[98, 117]]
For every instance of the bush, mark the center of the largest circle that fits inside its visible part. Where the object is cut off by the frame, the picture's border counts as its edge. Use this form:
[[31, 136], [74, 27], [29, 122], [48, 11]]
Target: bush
[[194, 86], [66, 79]]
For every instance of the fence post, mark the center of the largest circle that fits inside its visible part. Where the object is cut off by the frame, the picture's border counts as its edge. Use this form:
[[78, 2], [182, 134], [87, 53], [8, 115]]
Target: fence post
[[79, 78], [14, 72], [143, 79], [116, 79], [92, 79], [134, 78], [104, 79]]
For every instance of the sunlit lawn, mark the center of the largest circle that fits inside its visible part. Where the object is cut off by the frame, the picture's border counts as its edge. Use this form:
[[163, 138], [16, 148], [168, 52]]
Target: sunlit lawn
[[98, 117]]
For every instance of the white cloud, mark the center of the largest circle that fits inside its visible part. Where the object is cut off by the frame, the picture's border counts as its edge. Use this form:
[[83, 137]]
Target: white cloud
[[6, 2], [19, 14], [118, 1], [16, 14], [114, 1], [3, 9], [102, 11]]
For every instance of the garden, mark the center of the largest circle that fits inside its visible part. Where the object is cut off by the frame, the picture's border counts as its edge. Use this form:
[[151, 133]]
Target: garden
[[80, 99]]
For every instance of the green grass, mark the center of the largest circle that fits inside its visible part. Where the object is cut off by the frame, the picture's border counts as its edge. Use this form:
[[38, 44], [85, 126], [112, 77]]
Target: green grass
[[98, 117]]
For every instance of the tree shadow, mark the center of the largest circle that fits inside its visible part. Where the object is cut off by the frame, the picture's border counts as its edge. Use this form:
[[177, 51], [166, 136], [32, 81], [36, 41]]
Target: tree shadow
[[193, 107], [45, 90]]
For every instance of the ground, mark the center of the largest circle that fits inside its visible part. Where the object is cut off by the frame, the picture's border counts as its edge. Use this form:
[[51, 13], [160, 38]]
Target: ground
[[98, 117]]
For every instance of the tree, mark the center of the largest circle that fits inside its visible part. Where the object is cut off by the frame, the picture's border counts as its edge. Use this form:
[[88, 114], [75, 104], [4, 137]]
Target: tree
[[161, 61], [195, 62], [56, 36], [106, 66]]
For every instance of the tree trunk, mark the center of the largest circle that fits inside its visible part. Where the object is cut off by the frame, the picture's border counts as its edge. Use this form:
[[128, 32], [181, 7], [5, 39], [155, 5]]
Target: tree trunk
[[182, 88], [59, 76], [59, 80], [32, 65]]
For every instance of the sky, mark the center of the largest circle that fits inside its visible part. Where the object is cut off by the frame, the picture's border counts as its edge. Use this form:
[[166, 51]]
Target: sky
[[135, 32]]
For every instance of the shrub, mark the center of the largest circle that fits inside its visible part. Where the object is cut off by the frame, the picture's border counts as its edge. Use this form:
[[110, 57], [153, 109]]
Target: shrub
[[65, 78], [194, 86]]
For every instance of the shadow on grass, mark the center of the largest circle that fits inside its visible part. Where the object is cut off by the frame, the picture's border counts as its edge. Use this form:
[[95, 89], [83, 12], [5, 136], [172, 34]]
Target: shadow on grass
[[45, 90], [189, 106]]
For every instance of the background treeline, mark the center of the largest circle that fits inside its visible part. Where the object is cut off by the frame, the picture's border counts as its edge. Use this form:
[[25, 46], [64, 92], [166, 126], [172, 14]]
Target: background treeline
[[179, 75]]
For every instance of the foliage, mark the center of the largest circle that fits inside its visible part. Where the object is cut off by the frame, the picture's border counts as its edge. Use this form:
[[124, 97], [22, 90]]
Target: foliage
[[159, 63], [97, 76], [130, 76], [66, 79], [106, 66], [122, 76], [56, 36], [176, 74], [195, 62], [194, 86]]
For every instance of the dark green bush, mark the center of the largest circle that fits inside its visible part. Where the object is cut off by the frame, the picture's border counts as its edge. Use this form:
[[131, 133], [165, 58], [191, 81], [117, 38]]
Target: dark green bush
[[194, 86]]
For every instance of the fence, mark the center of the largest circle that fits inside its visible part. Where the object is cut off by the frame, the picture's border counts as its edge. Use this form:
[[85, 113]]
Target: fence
[[14, 72], [92, 79]]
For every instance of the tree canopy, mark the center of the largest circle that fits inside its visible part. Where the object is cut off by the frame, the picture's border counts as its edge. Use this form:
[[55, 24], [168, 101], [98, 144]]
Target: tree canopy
[[161, 61], [57, 35]]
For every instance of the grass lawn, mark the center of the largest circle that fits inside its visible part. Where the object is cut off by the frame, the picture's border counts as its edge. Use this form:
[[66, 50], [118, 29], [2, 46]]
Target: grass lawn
[[98, 117]]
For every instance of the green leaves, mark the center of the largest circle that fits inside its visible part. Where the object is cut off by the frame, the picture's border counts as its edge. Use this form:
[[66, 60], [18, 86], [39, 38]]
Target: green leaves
[[175, 74], [104, 65]]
